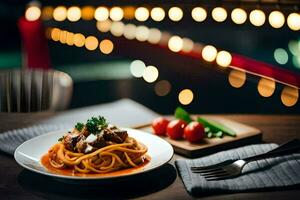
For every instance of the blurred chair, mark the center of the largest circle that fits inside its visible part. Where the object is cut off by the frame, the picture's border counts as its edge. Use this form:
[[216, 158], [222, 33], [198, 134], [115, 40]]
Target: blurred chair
[[34, 90]]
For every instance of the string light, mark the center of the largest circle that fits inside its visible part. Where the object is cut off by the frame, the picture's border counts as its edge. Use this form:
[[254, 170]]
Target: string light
[[157, 14], [237, 78], [47, 12], [276, 19], [257, 17], [238, 16], [289, 96], [91, 43], [154, 36], [141, 14], [175, 14], [187, 45], [223, 58], [219, 14], [150, 74], [129, 12], [63, 36], [87, 12], [281, 56], [142, 33], [101, 14], [104, 26], [162, 88], [175, 43], [70, 38], [106, 46], [293, 21], [266, 87], [74, 14], [116, 13], [79, 40], [186, 96], [55, 33], [32, 13], [117, 29], [60, 13], [209, 53], [129, 31], [199, 14], [137, 68]]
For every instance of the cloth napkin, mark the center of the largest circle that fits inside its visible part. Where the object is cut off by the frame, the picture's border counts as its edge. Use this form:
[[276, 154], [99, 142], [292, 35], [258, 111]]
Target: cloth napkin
[[269, 173], [124, 113]]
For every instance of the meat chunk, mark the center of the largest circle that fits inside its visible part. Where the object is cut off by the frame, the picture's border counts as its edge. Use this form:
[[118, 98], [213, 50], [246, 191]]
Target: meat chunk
[[70, 140]]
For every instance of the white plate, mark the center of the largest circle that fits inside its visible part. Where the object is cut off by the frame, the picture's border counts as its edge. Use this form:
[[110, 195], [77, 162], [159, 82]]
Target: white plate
[[30, 152]]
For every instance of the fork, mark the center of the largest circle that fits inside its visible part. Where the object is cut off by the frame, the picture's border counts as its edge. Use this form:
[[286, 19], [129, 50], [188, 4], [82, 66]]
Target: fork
[[233, 168]]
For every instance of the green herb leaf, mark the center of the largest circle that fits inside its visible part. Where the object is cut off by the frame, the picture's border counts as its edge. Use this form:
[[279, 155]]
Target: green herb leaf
[[216, 126], [79, 126], [95, 124], [61, 139], [182, 114]]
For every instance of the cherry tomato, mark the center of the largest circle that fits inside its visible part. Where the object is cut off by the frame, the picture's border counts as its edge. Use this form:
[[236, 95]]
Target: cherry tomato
[[194, 132], [159, 126], [175, 129]]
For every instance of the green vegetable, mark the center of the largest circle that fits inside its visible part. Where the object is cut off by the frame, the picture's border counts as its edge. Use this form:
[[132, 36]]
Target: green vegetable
[[61, 138], [180, 113], [216, 126], [209, 135], [79, 126], [95, 124], [219, 134]]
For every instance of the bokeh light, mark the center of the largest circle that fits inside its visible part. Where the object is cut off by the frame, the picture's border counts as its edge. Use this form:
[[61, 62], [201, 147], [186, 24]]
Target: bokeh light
[[276, 19], [106, 46], [141, 14], [91, 43], [238, 15], [117, 29], [187, 45], [199, 14], [101, 13], [74, 13], [175, 43], [70, 38], [130, 31], [257, 17], [104, 26], [137, 68], [289, 96], [294, 47], [63, 36], [186, 96], [47, 12], [266, 87], [293, 21], [150, 74], [237, 78], [162, 88], [79, 40], [154, 36], [32, 13], [209, 53], [175, 14], [60, 13], [116, 13], [157, 14], [55, 34], [142, 33], [129, 12], [281, 56], [223, 58], [219, 14], [87, 12]]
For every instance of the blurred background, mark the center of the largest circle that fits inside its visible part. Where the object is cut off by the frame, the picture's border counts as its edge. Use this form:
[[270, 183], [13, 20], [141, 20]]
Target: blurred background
[[222, 56]]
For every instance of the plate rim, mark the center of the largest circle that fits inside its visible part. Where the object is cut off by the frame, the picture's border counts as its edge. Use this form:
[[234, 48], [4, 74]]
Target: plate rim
[[75, 178]]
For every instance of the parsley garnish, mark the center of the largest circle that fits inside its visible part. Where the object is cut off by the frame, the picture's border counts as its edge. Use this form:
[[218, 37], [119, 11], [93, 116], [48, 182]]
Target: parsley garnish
[[61, 138], [95, 124], [79, 126]]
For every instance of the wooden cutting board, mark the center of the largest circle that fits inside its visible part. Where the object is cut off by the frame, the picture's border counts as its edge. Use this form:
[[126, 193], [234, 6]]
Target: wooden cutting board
[[244, 135]]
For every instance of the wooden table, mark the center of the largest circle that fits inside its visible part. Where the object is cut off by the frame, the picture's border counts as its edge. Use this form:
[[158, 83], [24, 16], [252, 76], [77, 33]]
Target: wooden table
[[164, 183]]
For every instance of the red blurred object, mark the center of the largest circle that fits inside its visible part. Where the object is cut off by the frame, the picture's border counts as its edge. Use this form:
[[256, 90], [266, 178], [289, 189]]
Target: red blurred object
[[159, 126], [34, 44], [194, 132], [175, 129]]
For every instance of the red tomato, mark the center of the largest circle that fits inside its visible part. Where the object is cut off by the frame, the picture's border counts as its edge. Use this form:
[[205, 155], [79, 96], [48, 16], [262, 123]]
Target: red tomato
[[175, 129], [159, 126], [194, 132]]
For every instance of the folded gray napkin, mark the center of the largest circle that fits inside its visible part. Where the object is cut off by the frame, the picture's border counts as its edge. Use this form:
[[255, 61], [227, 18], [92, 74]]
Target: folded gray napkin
[[125, 112], [269, 173]]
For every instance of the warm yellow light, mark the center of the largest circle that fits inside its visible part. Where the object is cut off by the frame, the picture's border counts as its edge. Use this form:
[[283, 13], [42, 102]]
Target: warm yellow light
[[142, 33], [91, 43], [199, 14], [175, 43], [79, 40], [157, 14], [150, 74], [266, 87], [55, 33], [74, 14], [187, 45], [293, 21], [154, 36], [60, 13], [47, 12], [116, 13], [70, 38], [223, 58], [175, 14], [257, 17], [238, 16], [209, 53], [106, 46], [117, 29], [237, 78], [141, 14], [289, 96], [219, 14], [63, 37], [130, 31], [87, 12], [33, 13], [186, 96], [129, 12], [276, 19], [137, 68], [104, 26], [48, 32], [162, 88], [101, 14]]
